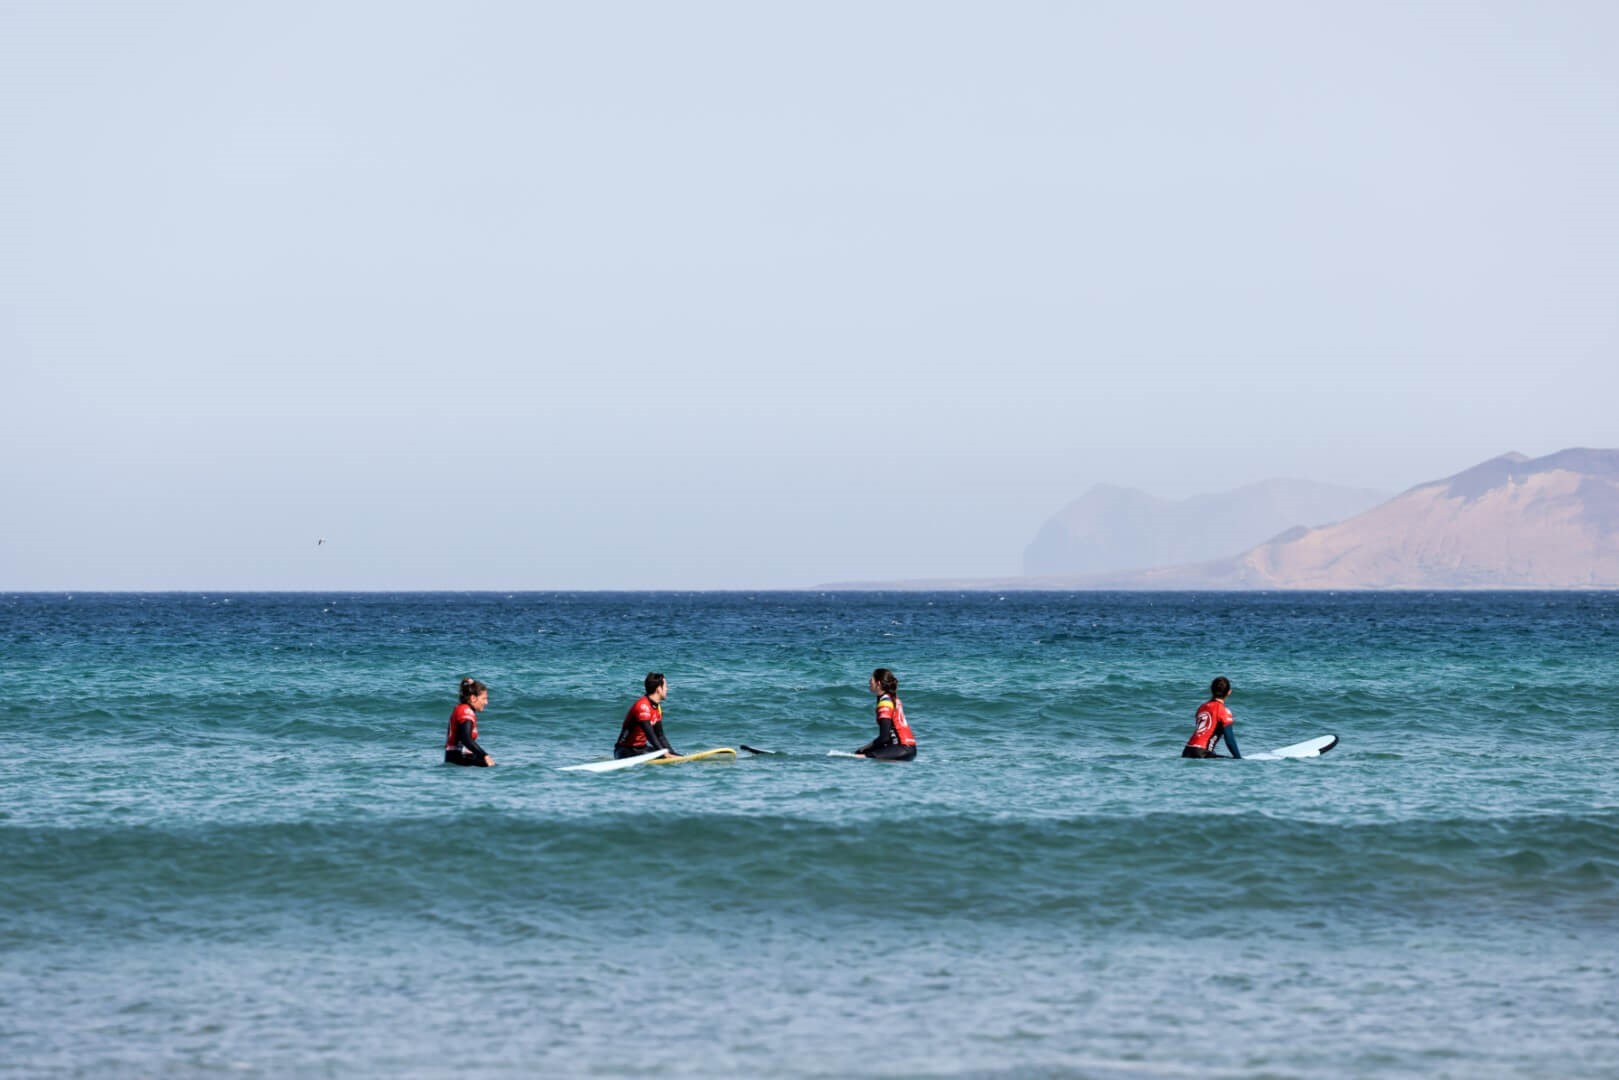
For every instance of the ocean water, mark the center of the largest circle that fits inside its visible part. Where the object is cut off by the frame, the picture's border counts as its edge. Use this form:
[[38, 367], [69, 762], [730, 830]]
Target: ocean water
[[228, 846]]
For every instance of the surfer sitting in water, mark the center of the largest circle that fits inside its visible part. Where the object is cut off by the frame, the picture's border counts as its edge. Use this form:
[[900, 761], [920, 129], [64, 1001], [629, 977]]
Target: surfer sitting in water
[[1214, 722], [642, 732], [894, 741], [461, 744]]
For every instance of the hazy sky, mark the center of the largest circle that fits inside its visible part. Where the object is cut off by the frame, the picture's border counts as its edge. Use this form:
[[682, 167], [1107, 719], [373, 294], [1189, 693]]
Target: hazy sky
[[609, 295]]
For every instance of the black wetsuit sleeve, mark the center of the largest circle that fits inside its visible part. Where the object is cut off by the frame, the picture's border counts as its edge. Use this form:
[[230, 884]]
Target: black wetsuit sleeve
[[885, 737], [1230, 733], [657, 738], [463, 737]]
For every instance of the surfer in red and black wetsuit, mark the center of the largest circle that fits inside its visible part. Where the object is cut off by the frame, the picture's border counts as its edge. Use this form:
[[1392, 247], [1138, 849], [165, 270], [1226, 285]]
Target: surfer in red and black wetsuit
[[642, 732], [894, 741], [1214, 722], [461, 744]]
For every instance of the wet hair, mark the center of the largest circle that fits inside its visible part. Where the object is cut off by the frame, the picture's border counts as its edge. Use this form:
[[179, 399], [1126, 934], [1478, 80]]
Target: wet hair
[[1220, 687], [471, 688], [654, 679], [887, 681]]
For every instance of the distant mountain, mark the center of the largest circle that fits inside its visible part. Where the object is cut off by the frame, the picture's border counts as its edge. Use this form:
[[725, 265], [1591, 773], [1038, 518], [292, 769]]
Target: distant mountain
[[1511, 522], [1112, 528]]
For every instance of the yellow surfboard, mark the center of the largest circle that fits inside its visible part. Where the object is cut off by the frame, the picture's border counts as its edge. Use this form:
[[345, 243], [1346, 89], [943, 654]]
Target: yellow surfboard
[[717, 752]]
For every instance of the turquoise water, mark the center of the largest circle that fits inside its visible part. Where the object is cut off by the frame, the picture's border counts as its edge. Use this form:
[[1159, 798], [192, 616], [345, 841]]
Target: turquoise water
[[230, 847]]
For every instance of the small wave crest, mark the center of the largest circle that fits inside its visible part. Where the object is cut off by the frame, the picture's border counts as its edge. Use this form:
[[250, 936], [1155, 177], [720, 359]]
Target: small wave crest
[[1157, 870]]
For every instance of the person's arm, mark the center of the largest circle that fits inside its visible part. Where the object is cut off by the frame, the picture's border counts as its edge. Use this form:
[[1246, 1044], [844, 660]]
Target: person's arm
[[657, 738], [463, 737], [885, 736], [1230, 733]]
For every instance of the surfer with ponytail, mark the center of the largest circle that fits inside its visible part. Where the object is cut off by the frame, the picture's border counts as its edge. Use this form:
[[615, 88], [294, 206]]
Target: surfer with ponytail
[[461, 743], [1214, 723], [894, 741]]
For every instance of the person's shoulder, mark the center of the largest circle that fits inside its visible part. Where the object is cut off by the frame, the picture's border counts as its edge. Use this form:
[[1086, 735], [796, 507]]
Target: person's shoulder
[[462, 711]]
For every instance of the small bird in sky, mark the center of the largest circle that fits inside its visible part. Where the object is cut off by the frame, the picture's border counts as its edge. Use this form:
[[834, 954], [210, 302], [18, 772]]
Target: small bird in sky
[[319, 542]]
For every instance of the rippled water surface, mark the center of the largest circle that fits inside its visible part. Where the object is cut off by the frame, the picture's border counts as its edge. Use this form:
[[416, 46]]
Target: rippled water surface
[[230, 847]]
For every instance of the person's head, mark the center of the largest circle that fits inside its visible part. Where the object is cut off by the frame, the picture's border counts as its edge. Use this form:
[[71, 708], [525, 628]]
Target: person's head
[[657, 687], [884, 681], [1220, 688], [471, 691]]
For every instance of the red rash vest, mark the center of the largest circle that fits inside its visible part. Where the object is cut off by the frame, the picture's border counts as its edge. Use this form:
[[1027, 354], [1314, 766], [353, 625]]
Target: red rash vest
[[461, 715], [1212, 717], [643, 712], [891, 710]]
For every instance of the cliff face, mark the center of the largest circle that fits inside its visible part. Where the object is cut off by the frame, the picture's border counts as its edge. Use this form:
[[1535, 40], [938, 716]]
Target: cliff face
[[1511, 522]]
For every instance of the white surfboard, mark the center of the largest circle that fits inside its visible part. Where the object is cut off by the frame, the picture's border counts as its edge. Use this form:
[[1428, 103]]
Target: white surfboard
[[615, 764], [1308, 748], [842, 753]]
